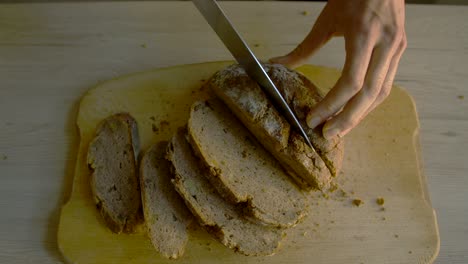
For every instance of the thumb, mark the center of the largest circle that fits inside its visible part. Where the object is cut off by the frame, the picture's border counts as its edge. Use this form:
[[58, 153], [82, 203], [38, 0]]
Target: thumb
[[319, 35]]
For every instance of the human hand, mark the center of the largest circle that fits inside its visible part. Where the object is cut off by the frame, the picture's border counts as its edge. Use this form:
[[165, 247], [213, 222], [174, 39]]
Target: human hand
[[375, 39]]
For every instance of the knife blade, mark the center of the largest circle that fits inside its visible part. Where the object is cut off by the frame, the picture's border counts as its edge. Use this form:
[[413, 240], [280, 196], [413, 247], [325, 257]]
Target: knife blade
[[220, 23]]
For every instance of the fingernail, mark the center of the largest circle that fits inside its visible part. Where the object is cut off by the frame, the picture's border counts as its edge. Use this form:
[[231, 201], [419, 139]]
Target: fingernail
[[329, 132], [313, 122]]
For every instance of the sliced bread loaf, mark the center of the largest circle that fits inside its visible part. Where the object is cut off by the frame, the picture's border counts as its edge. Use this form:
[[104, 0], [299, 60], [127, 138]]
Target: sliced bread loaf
[[112, 157], [166, 216], [250, 104], [240, 168], [220, 218], [311, 169]]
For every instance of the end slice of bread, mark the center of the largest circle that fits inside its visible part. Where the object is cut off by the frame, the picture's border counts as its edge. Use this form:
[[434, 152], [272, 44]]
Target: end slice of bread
[[241, 169], [166, 216], [112, 157], [220, 218], [302, 95]]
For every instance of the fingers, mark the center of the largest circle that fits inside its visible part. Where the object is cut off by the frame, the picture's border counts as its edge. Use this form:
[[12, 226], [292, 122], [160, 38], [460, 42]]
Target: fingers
[[377, 86], [357, 106], [358, 54], [319, 35], [388, 83]]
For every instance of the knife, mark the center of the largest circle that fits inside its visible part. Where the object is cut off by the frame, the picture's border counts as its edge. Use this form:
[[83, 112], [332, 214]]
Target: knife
[[218, 20]]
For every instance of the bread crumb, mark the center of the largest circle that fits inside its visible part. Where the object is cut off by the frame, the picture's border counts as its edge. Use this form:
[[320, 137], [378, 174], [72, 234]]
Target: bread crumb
[[380, 201], [152, 118], [461, 97], [410, 252], [244, 153], [384, 218], [382, 209], [305, 13], [256, 45], [333, 187], [357, 202], [305, 233], [343, 193], [5, 157], [164, 124], [397, 236], [154, 128], [143, 45]]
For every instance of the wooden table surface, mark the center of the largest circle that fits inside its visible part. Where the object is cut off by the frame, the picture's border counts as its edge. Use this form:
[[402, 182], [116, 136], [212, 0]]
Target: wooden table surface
[[50, 54]]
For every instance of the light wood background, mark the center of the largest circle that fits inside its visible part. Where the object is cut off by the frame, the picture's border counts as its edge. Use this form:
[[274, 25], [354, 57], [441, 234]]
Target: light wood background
[[50, 54]]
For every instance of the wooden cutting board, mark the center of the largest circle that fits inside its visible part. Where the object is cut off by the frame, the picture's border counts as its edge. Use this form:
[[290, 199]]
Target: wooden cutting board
[[382, 159]]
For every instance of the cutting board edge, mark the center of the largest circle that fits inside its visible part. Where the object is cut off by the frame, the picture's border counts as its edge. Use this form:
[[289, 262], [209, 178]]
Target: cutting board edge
[[422, 175]]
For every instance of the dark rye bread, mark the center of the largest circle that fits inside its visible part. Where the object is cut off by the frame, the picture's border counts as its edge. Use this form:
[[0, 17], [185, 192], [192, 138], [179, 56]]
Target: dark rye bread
[[220, 218], [166, 216], [240, 168], [112, 157], [250, 104], [302, 95]]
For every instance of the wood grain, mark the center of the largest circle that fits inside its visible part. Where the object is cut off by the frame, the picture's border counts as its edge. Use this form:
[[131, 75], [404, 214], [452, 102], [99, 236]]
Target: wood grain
[[50, 54]]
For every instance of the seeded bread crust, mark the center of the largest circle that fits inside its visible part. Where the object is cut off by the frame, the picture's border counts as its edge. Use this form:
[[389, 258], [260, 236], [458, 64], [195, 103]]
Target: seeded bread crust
[[166, 216], [112, 158], [241, 169], [220, 218]]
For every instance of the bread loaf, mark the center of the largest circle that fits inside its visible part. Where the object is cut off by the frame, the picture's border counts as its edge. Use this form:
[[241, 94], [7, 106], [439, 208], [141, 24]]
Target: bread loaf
[[250, 104]]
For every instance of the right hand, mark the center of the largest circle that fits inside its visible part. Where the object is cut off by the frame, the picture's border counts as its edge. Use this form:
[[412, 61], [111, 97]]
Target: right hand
[[375, 40]]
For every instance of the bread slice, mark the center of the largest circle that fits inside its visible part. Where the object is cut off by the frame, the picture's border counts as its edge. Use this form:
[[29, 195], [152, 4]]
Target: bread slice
[[302, 95], [112, 157], [220, 218], [250, 104], [166, 216], [240, 168]]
